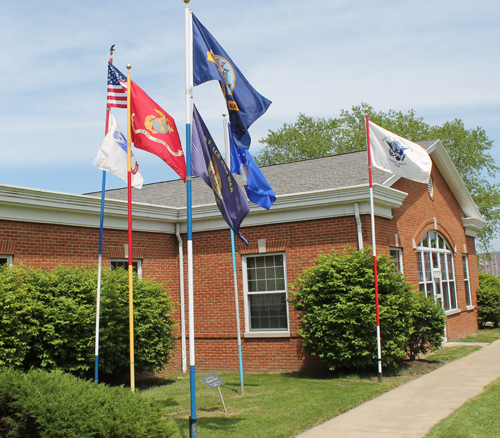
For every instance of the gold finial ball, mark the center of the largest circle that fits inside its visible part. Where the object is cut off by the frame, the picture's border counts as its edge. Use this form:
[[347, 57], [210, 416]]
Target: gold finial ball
[[186, 1], [223, 114], [129, 66]]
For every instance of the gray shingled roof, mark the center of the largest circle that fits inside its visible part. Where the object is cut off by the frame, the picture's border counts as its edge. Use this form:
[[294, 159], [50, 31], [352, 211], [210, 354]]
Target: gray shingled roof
[[311, 175]]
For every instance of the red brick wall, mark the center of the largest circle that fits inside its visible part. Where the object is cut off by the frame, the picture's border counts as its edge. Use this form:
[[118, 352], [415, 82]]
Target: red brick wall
[[46, 245], [215, 321], [215, 326]]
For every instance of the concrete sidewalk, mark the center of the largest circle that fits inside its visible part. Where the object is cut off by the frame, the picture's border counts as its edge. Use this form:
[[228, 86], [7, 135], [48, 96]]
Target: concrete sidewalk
[[411, 410]]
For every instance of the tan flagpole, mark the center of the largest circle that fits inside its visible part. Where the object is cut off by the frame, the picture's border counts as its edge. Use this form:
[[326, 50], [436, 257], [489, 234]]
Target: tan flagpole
[[130, 252]]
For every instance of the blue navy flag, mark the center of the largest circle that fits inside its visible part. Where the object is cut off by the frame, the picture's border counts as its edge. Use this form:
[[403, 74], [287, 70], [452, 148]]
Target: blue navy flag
[[207, 163], [258, 189], [211, 62]]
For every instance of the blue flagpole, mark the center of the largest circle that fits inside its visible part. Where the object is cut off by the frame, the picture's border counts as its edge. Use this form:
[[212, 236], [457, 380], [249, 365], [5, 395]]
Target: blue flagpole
[[235, 280], [99, 266], [99, 272], [189, 116]]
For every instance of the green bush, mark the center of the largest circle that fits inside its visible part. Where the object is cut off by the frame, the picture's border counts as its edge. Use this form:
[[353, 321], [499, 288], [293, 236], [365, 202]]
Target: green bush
[[48, 321], [488, 299], [57, 405], [427, 326], [337, 303]]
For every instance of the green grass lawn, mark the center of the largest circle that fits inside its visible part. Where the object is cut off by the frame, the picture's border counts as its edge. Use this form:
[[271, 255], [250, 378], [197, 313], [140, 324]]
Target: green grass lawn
[[488, 334], [477, 418], [281, 404]]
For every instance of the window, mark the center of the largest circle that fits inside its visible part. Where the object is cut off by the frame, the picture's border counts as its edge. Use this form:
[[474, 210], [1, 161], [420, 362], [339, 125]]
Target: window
[[5, 260], [397, 258], [264, 278], [436, 275], [123, 263], [465, 264]]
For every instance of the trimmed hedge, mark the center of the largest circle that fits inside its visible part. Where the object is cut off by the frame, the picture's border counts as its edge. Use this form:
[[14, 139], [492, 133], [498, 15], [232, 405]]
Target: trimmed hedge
[[488, 299], [39, 404], [336, 301], [47, 320]]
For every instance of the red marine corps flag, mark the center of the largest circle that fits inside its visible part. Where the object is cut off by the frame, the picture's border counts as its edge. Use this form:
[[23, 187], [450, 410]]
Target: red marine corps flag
[[153, 130]]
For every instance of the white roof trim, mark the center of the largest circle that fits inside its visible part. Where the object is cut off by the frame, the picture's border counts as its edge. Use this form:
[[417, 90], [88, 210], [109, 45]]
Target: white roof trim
[[40, 206], [443, 162]]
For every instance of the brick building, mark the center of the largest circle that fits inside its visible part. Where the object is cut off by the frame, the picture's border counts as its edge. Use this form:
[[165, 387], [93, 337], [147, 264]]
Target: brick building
[[322, 204]]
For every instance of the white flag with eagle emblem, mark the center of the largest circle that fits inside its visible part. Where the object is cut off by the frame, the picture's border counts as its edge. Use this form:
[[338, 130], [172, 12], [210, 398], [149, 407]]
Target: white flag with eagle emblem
[[399, 156], [112, 157]]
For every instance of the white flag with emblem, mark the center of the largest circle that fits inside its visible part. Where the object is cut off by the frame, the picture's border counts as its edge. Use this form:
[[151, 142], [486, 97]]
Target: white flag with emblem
[[399, 156], [112, 157]]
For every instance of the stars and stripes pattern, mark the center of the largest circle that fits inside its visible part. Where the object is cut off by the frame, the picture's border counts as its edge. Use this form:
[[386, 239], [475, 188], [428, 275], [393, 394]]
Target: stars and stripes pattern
[[117, 88]]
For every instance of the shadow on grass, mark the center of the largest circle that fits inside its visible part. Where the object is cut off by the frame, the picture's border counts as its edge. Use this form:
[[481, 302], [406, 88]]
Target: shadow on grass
[[167, 403], [236, 387], [226, 424], [405, 366], [153, 382]]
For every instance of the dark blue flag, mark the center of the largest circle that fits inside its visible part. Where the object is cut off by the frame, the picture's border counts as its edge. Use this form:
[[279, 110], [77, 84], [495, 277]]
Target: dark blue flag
[[258, 189], [211, 62], [207, 163]]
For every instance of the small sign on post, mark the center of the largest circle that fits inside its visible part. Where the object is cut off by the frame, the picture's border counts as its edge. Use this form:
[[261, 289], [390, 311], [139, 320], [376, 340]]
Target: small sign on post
[[212, 381]]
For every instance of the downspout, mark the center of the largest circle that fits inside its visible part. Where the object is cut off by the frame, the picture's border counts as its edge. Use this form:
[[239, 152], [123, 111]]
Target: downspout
[[358, 223], [181, 283]]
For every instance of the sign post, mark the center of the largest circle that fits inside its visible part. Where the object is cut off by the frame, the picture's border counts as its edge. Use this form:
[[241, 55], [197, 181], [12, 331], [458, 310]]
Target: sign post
[[214, 381]]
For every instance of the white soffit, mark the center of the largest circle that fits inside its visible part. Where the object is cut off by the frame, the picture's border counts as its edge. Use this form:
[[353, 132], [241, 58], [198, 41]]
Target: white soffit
[[40, 206]]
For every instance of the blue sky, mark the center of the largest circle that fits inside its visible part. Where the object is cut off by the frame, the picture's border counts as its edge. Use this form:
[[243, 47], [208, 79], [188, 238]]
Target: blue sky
[[437, 57]]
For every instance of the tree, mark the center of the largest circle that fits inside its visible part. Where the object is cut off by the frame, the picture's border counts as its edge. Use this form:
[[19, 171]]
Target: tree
[[307, 138], [467, 148]]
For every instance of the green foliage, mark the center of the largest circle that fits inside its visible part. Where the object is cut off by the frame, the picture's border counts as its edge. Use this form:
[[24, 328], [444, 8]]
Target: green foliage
[[48, 321], [307, 138], [53, 405], [488, 299], [427, 330], [469, 149], [337, 303]]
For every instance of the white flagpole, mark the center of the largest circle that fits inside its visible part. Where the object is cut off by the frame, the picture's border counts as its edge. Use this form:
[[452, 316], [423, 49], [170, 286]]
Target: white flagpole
[[189, 118], [235, 277], [379, 344], [183, 305]]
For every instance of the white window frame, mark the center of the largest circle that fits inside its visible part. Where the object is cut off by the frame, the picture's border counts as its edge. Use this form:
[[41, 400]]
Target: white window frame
[[8, 258], [433, 281], [399, 259], [138, 261], [261, 333], [468, 296]]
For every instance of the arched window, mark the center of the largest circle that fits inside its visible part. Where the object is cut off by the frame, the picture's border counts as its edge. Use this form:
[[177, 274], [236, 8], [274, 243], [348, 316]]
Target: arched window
[[436, 275]]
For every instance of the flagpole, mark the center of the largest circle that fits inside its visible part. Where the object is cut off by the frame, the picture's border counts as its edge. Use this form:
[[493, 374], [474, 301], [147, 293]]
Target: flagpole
[[99, 263], [379, 345], [99, 268], [235, 277], [130, 251], [188, 19]]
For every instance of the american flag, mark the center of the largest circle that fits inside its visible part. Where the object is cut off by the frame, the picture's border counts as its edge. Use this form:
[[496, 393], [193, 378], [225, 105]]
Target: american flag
[[117, 88]]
